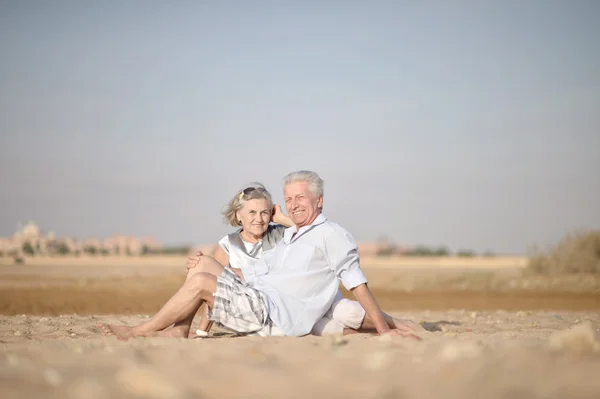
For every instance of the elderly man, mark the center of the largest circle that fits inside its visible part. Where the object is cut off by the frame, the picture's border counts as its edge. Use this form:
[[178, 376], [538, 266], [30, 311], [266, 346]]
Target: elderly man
[[296, 282]]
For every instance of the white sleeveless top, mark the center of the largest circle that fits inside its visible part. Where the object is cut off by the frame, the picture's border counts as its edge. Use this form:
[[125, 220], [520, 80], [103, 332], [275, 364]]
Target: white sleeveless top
[[244, 255]]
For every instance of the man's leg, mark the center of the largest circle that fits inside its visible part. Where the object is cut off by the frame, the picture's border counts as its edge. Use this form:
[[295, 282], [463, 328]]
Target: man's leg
[[327, 326], [184, 304], [350, 314]]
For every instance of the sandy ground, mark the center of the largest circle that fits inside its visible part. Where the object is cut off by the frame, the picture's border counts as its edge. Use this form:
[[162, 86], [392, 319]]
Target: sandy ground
[[490, 332], [472, 355]]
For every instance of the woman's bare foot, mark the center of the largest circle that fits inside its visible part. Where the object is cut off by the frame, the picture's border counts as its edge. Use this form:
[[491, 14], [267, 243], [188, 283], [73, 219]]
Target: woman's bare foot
[[121, 332], [168, 333]]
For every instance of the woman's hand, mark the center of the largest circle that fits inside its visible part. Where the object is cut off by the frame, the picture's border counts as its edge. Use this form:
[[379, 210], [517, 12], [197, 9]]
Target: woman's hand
[[276, 214], [278, 217], [193, 261]]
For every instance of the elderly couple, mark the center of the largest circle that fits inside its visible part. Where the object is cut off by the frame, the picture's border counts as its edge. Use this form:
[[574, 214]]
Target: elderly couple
[[275, 279]]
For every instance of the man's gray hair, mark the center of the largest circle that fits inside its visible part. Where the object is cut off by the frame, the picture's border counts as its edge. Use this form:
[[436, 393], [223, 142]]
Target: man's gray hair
[[315, 183]]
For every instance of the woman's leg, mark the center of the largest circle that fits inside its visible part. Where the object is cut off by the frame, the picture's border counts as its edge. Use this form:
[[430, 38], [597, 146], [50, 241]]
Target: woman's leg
[[205, 324], [205, 264], [181, 308]]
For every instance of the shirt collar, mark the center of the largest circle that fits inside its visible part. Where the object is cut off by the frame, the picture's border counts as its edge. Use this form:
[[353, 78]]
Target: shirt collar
[[287, 236]]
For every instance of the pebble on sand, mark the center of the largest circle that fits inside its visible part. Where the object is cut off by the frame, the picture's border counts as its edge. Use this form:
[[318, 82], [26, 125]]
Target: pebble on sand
[[580, 339], [12, 360], [459, 350], [337, 340], [87, 388], [53, 377], [378, 360], [147, 383]]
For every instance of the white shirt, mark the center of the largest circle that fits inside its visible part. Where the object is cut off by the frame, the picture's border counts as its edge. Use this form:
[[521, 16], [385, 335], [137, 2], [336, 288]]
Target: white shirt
[[300, 277]]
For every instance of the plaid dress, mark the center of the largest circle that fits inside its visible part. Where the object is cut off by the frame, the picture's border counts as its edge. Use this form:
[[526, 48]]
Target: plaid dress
[[238, 307]]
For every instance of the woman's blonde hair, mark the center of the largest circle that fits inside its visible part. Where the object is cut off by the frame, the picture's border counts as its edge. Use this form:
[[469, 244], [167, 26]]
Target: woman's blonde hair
[[252, 191]]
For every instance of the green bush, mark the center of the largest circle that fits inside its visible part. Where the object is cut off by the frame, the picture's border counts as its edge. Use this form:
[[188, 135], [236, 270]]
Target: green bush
[[577, 253], [422, 250], [388, 251], [28, 248], [183, 250], [146, 250], [62, 249], [465, 253]]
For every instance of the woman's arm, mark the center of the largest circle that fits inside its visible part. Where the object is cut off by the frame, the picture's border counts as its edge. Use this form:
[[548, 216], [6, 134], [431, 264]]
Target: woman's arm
[[279, 217], [221, 256]]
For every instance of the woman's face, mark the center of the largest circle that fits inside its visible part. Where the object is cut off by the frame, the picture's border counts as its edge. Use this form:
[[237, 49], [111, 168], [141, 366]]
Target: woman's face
[[255, 216]]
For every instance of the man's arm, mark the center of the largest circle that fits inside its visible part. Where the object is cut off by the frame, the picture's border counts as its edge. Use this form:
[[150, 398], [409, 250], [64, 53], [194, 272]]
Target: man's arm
[[342, 252], [365, 297]]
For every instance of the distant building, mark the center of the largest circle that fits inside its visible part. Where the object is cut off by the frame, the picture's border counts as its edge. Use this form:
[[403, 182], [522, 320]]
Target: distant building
[[35, 242]]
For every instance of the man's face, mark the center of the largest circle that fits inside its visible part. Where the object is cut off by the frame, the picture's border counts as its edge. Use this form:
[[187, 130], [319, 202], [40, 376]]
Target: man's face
[[302, 205]]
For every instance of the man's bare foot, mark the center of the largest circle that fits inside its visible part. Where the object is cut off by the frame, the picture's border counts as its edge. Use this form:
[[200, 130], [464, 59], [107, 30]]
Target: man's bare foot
[[121, 332]]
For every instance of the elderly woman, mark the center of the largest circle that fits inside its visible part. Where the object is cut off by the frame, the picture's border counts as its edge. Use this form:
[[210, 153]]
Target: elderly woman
[[252, 211]]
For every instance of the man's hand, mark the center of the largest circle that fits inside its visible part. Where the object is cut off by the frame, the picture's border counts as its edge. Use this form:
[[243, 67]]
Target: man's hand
[[399, 333], [405, 325], [193, 261]]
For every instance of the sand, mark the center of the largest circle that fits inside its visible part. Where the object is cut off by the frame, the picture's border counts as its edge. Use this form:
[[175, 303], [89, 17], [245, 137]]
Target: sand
[[506, 336], [472, 355]]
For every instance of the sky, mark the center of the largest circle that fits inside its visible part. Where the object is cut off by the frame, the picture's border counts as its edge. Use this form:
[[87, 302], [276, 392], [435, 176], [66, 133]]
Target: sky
[[460, 123]]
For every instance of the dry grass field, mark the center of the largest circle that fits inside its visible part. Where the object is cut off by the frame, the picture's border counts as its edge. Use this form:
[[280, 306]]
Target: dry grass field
[[100, 285]]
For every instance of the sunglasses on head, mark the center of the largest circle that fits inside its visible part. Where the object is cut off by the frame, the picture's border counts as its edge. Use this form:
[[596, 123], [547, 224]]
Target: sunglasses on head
[[249, 190]]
